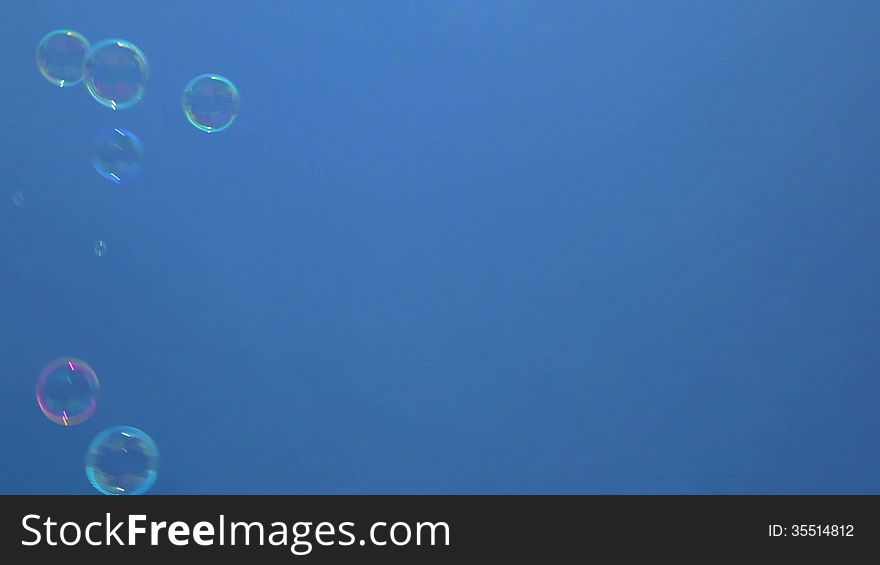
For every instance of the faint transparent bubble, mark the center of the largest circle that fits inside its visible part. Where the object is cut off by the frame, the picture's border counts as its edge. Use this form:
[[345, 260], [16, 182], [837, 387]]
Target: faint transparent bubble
[[117, 155], [17, 198], [67, 391], [100, 248]]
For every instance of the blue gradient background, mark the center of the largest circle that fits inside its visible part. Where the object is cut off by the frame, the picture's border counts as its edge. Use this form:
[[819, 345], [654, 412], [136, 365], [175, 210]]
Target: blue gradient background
[[452, 246]]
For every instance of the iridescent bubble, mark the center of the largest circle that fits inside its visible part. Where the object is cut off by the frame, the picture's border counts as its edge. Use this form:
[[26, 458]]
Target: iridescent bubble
[[67, 391], [100, 248], [118, 155], [210, 102], [60, 57], [17, 198], [116, 73], [122, 460]]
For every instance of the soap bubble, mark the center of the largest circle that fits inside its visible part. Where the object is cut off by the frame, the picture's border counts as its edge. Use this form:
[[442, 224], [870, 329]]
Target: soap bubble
[[116, 73], [67, 391], [210, 102], [100, 248], [17, 198], [122, 460], [60, 57], [118, 155]]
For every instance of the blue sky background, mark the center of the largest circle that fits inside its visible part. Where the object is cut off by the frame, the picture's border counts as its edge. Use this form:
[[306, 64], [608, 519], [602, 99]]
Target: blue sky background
[[457, 247]]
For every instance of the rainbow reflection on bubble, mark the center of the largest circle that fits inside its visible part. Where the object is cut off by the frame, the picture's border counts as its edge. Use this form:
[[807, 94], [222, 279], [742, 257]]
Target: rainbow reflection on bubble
[[211, 102], [116, 73], [122, 461], [67, 391], [117, 155], [60, 57]]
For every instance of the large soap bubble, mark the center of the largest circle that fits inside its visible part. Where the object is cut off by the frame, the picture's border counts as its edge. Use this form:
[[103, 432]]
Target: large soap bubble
[[122, 460], [210, 102], [67, 391], [60, 57], [116, 73]]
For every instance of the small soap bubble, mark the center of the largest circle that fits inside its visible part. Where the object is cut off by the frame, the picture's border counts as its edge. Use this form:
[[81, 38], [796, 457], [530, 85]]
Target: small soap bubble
[[210, 102], [123, 461], [116, 73], [100, 248], [17, 198], [67, 391], [117, 155], [60, 57]]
